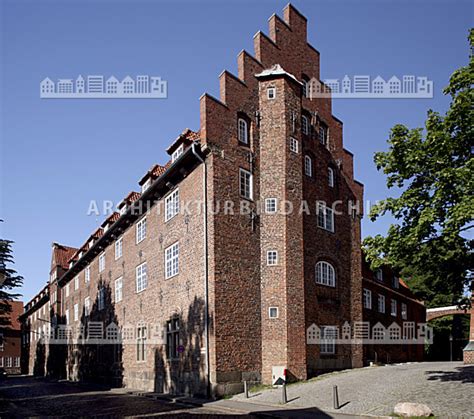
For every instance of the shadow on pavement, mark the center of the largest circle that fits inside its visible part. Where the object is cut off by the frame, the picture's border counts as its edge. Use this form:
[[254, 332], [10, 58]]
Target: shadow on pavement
[[464, 374]]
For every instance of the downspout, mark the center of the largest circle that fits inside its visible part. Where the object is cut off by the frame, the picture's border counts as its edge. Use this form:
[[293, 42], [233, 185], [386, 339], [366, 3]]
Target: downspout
[[206, 271]]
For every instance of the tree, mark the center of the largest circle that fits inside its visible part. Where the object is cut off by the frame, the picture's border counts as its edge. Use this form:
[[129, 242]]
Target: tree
[[8, 280], [434, 171]]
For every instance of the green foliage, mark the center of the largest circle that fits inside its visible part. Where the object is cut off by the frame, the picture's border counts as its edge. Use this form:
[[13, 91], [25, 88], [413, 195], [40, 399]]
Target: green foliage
[[434, 170], [8, 280]]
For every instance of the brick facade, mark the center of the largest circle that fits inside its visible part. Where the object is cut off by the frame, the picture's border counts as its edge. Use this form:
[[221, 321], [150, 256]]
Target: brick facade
[[224, 291], [10, 338]]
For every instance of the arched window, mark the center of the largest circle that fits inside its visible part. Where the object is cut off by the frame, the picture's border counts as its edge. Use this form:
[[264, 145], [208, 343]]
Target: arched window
[[325, 274], [304, 125], [306, 85], [243, 128], [308, 166], [331, 177]]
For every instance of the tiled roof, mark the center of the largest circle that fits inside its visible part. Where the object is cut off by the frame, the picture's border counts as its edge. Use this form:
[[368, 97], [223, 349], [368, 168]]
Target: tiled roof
[[62, 254], [111, 219], [17, 310], [188, 135], [155, 172], [130, 198]]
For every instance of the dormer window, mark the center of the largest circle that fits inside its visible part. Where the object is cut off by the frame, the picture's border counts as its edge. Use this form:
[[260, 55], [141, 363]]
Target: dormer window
[[177, 153], [80, 255], [146, 185], [71, 264], [106, 228], [123, 210], [243, 129], [91, 243]]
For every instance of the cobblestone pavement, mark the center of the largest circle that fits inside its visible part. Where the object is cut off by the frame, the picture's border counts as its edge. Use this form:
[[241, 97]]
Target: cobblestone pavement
[[446, 387]]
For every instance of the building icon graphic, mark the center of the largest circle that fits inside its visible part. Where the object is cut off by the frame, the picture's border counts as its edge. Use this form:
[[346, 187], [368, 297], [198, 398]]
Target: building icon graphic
[[361, 84], [409, 84], [144, 87]]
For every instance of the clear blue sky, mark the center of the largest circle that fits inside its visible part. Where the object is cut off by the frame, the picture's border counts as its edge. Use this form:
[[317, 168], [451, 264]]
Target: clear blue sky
[[57, 155]]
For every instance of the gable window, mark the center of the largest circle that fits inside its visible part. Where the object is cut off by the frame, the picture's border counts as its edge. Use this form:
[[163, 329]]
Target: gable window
[[141, 230], [308, 166], [87, 274], [305, 125], [271, 93], [101, 299], [323, 134], [141, 343], [367, 298], [328, 339], [325, 217], [172, 205], [273, 312], [177, 153], [271, 205], [404, 311], [172, 260], [141, 277], [381, 303], [325, 274], [76, 282], [101, 262], [243, 129], [379, 275], [393, 308], [272, 257], [118, 289], [118, 248], [293, 145], [87, 306], [172, 338], [246, 184], [331, 177]]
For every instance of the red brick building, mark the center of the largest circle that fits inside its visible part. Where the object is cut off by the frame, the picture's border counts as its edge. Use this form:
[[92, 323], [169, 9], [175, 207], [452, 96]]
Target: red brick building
[[216, 269], [10, 339]]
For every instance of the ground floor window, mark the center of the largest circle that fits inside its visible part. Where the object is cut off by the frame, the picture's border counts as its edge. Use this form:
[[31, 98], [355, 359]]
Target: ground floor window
[[328, 339], [141, 343], [172, 338]]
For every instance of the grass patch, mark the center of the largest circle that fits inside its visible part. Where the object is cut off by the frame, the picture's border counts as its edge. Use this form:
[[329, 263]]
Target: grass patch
[[259, 387]]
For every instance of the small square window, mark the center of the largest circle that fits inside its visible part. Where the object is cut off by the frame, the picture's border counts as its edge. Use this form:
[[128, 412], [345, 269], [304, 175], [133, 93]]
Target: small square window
[[271, 205], [272, 257], [273, 312], [293, 145], [271, 93]]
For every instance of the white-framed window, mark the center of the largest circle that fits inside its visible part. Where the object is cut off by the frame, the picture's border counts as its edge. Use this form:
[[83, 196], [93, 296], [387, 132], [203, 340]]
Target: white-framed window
[[87, 274], [325, 274], [271, 205], [306, 86], [293, 145], [76, 282], [146, 185], [393, 307], [123, 209], [101, 262], [172, 338], [118, 248], [271, 93], [141, 343], [308, 166], [331, 177], [54, 297], [325, 217], [66, 316], [367, 298], [272, 257], [101, 299], [304, 125], [66, 290], [379, 275], [328, 339], [404, 311], [323, 134], [172, 205], [76, 312], [246, 184], [172, 260], [141, 230], [395, 282], [273, 312], [9, 362], [17, 361], [118, 289], [243, 129], [381, 303], [141, 277], [177, 153], [87, 306]]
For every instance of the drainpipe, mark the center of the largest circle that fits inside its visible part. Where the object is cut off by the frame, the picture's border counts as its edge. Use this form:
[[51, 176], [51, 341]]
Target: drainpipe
[[206, 271]]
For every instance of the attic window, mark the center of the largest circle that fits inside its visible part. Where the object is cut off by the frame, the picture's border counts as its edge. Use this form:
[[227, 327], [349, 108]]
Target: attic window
[[146, 185], [177, 153], [271, 93]]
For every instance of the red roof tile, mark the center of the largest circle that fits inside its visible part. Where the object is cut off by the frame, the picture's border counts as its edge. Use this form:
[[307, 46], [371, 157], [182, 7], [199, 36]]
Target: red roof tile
[[187, 135], [62, 254], [155, 172], [17, 310]]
